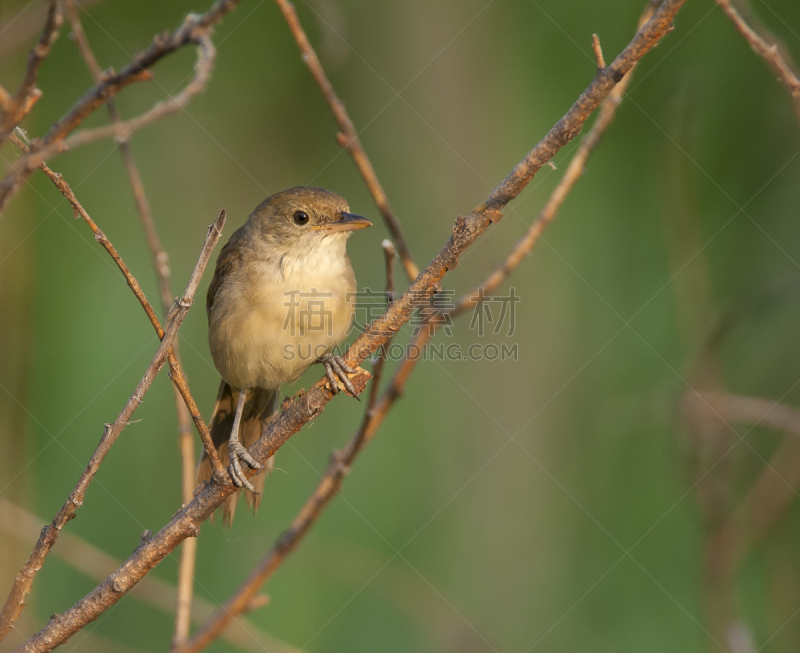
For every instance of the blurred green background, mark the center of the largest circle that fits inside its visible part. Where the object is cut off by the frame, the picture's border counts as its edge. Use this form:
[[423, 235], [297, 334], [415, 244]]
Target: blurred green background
[[542, 504]]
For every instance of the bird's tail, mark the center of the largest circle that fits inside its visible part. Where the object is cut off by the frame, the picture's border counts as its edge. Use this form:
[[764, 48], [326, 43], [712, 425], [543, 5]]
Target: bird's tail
[[259, 407]]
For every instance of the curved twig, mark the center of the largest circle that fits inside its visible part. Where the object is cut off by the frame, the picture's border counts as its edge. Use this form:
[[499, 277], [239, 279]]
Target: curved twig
[[574, 171], [348, 137], [195, 29], [15, 601], [160, 258]]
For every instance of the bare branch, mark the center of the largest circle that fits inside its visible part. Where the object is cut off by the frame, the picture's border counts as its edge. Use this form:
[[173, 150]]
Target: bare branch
[[348, 137], [162, 270], [574, 171], [176, 373], [15, 601], [195, 29], [308, 405], [776, 57], [96, 564], [27, 94]]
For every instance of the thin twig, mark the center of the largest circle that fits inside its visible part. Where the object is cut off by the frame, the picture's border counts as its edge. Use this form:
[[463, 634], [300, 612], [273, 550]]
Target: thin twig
[[96, 564], [390, 256], [160, 258], [26, 25], [348, 137], [308, 405], [176, 372], [27, 94], [776, 57], [574, 171], [194, 30], [15, 601], [598, 52]]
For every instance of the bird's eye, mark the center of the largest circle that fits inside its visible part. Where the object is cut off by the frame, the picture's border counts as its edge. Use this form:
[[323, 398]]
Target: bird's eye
[[300, 217]]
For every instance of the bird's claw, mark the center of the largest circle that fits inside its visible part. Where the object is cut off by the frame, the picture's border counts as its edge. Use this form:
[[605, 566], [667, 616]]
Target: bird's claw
[[335, 367], [237, 454]]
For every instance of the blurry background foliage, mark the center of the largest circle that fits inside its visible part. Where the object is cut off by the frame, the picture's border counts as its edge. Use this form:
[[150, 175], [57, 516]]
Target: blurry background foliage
[[448, 535]]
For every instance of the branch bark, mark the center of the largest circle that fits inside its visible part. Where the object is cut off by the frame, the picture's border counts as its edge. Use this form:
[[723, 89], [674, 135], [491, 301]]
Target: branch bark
[[309, 405], [96, 564], [777, 57], [15, 601], [27, 94], [160, 258]]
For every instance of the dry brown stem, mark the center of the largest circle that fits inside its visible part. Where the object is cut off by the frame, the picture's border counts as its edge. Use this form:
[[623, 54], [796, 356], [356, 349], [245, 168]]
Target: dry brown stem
[[27, 93], [162, 269], [176, 373], [194, 30], [15, 601], [598, 52], [308, 405], [348, 136], [765, 45], [96, 564], [574, 171]]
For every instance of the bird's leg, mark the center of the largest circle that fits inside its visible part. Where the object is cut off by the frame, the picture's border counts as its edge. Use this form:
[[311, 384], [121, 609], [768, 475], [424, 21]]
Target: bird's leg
[[335, 367], [237, 452]]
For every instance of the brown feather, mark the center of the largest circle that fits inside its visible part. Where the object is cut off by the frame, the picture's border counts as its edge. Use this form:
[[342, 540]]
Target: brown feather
[[260, 406]]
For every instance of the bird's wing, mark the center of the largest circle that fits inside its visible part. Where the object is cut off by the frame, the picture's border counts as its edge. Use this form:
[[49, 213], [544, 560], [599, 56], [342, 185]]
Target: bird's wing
[[229, 260]]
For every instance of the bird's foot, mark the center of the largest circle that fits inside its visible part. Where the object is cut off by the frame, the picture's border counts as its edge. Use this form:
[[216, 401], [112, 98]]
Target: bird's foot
[[239, 454], [336, 368]]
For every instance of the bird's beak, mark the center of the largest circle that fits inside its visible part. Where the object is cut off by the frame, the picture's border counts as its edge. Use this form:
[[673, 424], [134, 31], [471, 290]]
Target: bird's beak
[[346, 222]]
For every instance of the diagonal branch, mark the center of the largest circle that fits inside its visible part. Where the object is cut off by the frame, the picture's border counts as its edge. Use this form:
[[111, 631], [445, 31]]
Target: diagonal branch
[[194, 30], [96, 564], [776, 56], [348, 137], [15, 601], [574, 171], [176, 372], [161, 264], [309, 405], [27, 94], [327, 488]]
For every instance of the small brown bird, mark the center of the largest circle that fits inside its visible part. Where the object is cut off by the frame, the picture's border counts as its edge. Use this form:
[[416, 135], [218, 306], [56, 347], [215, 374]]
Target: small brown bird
[[282, 297]]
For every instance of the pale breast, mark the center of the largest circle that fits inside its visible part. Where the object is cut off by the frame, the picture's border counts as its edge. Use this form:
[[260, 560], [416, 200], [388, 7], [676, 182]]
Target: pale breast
[[271, 320]]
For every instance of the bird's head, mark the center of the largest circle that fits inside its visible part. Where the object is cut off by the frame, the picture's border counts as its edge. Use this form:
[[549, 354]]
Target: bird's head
[[304, 218]]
